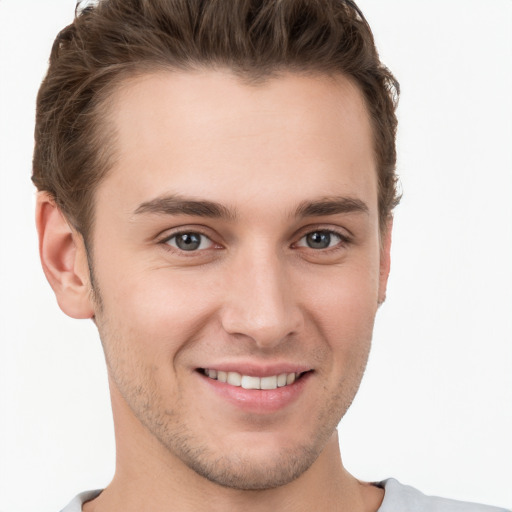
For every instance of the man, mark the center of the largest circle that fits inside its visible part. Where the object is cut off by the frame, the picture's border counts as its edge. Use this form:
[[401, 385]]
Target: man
[[216, 193]]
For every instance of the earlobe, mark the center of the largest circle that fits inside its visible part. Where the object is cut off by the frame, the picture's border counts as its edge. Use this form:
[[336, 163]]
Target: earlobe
[[385, 260], [64, 259]]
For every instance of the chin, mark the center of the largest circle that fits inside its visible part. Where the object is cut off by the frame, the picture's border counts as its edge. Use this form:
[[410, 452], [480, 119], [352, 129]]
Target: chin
[[248, 461], [244, 472]]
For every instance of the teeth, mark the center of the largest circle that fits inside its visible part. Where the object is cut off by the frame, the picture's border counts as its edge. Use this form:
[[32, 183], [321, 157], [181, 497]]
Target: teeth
[[235, 379], [250, 382], [269, 382]]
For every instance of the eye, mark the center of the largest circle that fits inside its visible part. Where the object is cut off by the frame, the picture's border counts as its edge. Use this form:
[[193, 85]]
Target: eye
[[189, 241], [320, 240]]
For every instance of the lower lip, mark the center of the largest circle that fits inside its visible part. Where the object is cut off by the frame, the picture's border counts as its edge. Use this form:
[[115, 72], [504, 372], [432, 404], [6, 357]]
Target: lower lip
[[259, 401]]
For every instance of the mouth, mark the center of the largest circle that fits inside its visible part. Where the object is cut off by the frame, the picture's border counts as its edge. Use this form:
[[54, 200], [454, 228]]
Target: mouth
[[254, 389], [239, 380]]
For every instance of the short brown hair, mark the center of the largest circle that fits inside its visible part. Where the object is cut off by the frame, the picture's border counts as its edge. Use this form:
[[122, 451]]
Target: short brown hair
[[256, 39]]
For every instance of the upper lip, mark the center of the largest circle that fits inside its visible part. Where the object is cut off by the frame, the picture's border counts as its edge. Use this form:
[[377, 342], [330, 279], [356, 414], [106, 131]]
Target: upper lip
[[257, 370]]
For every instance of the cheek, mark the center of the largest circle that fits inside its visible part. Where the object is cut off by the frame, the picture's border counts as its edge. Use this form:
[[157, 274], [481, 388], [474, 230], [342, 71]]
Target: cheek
[[158, 309], [344, 309], [347, 296]]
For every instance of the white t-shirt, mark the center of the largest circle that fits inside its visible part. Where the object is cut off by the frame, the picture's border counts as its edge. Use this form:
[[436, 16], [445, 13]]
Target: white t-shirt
[[397, 498]]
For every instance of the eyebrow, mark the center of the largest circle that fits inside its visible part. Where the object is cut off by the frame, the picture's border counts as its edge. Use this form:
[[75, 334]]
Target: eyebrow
[[331, 206], [177, 205]]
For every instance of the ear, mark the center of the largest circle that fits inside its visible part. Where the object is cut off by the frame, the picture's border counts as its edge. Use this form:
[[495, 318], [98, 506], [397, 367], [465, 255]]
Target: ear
[[64, 259], [385, 260]]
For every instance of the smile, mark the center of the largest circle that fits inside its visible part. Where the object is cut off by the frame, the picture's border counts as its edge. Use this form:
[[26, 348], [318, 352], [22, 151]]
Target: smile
[[251, 382]]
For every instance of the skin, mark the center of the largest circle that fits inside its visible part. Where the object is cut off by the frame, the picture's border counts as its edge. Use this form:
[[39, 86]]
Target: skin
[[255, 292]]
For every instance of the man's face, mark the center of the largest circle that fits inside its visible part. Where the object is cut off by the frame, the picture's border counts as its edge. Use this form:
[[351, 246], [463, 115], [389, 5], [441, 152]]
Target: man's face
[[237, 238]]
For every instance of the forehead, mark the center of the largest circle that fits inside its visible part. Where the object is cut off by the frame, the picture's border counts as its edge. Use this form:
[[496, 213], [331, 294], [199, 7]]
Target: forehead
[[208, 134]]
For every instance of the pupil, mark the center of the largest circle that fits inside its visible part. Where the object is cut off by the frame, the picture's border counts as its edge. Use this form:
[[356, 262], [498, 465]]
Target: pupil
[[188, 241], [319, 240]]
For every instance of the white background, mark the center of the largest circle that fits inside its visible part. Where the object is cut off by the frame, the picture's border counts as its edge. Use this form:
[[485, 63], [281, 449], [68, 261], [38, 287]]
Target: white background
[[435, 408]]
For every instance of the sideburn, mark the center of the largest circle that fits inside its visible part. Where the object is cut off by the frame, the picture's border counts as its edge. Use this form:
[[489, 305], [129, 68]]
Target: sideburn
[[94, 289]]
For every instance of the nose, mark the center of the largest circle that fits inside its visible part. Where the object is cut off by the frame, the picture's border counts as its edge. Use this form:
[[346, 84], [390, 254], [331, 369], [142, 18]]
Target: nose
[[260, 302]]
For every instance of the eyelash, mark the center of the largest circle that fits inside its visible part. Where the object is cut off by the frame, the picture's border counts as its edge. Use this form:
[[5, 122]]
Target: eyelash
[[344, 241], [165, 241]]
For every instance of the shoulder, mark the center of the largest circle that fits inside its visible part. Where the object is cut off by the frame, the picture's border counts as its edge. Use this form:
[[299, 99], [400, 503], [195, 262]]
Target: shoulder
[[403, 498], [75, 505]]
